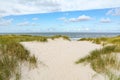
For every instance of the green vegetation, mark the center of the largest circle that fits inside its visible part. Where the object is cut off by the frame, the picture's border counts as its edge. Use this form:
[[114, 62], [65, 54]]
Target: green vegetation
[[60, 36], [105, 60], [103, 40], [20, 38], [12, 54]]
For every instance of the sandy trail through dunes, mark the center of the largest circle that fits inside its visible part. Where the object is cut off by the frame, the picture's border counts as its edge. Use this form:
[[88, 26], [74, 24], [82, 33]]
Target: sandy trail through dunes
[[58, 58]]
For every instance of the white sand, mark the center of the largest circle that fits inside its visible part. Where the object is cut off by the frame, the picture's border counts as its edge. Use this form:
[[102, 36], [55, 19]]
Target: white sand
[[58, 58]]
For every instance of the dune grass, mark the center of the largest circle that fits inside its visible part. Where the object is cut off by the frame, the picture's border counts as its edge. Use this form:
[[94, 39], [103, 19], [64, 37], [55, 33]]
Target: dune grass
[[21, 38], [104, 60], [103, 40], [12, 54], [60, 36], [8, 66]]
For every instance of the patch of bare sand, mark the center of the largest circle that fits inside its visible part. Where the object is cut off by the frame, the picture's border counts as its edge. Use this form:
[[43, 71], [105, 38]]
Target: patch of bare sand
[[58, 58]]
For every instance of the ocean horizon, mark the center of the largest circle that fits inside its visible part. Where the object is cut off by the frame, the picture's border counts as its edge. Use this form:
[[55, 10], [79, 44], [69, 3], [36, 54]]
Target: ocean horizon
[[72, 35]]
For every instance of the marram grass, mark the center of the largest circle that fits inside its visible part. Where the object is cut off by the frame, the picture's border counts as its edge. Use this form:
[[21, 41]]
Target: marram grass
[[105, 59], [60, 36], [103, 40], [12, 54]]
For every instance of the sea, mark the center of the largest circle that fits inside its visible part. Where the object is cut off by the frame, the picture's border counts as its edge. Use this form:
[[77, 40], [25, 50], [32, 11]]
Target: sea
[[72, 35]]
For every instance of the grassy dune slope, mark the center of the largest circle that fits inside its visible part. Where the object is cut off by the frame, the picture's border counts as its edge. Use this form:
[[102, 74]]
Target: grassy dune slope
[[105, 60], [12, 54], [103, 40]]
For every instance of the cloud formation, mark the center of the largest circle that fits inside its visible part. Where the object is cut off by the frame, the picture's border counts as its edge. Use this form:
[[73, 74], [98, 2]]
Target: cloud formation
[[26, 23], [35, 18], [105, 20], [78, 19], [5, 22], [19, 7], [114, 12]]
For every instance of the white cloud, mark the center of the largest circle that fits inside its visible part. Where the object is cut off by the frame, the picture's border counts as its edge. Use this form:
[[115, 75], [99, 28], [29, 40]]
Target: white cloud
[[78, 19], [83, 18], [73, 20], [26, 23], [5, 22], [19, 7], [105, 20], [35, 18], [114, 12]]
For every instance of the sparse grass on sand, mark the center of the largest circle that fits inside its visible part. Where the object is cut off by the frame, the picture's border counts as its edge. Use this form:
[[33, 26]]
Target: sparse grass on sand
[[12, 54], [60, 36], [104, 61], [103, 40]]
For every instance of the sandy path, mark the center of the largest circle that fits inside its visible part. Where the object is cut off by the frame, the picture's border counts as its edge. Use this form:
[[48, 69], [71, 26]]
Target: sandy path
[[59, 58]]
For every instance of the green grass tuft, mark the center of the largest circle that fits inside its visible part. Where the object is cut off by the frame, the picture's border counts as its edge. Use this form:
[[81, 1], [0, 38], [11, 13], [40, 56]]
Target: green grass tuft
[[103, 60], [12, 54], [59, 36], [103, 40]]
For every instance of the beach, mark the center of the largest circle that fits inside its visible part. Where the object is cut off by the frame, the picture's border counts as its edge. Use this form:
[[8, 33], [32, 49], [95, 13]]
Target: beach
[[59, 40], [56, 60]]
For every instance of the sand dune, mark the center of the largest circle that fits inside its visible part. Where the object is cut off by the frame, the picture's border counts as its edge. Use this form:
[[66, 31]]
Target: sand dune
[[58, 60]]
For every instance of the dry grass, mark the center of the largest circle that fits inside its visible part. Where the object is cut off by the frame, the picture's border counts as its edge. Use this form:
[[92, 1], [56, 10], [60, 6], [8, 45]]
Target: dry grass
[[105, 59], [60, 36], [12, 54]]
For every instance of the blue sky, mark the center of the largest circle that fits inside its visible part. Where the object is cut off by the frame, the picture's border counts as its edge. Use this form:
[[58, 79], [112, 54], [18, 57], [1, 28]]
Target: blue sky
[[55, 18]]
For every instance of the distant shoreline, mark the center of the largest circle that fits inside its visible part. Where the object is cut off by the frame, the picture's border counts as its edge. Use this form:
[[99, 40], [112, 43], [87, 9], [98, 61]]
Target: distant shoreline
[[50, 32], [71, 35]]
